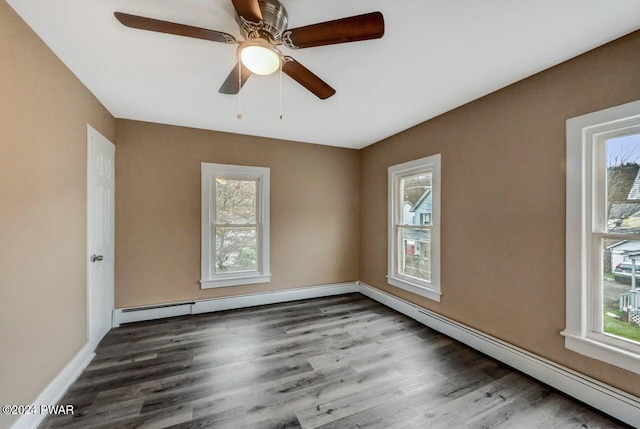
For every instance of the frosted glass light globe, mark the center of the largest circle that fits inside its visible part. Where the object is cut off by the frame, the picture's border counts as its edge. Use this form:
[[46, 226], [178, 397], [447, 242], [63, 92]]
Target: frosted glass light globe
[[260, 60]]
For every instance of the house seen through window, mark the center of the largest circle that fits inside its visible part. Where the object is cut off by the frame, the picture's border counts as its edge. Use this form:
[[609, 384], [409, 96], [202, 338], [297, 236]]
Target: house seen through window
[[620, 306], [414, 226], [416, 196]]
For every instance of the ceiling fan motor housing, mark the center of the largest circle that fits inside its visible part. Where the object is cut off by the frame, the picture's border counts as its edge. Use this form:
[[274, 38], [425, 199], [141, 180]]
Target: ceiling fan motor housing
[[273, 24]]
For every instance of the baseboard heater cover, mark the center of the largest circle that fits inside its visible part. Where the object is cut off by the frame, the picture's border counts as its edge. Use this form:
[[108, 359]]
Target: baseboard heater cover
[[161, 311], [617, 403], [150, 312], [154, 307]]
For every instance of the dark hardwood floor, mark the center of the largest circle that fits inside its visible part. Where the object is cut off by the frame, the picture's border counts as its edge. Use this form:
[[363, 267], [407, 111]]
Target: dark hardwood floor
[[336, 362]]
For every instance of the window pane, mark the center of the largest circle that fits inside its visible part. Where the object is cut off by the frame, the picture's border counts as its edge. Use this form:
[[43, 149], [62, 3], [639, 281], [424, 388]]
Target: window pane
[[623, 183], [416, 199], [621, 289], [415, 253], [236, 249], [235, 201]]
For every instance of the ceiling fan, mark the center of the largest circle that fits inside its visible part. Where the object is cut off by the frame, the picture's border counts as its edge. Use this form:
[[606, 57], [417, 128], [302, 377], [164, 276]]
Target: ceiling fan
[[263, 25]]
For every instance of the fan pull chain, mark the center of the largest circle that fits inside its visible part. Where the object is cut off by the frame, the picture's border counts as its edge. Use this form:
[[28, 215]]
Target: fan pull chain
[[280, 89], [239, 87]]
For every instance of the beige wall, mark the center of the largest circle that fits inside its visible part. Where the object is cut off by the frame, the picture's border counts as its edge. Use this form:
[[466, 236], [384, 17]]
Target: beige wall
[[314, 211], [44, 111], [503, 202]]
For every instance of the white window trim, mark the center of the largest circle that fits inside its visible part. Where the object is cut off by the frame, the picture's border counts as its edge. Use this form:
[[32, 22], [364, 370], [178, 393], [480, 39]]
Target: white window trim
[[209, 171], [431, 290], [583, 134]]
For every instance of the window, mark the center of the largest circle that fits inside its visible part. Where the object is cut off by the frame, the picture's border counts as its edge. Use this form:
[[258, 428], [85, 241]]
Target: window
[[235, 225], [425, 218], [414, 226], [603, 236]]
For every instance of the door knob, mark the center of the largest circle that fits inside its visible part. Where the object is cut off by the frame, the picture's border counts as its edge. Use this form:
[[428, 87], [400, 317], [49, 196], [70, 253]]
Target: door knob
[[95, 258]]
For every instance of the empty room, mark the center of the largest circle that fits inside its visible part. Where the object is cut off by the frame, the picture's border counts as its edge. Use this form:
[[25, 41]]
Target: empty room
[[319, 214]]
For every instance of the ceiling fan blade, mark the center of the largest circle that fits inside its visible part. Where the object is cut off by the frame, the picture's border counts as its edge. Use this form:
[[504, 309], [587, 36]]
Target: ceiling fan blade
[[231, 84], [306, 78], [150, 24], [248, 9], [352, 29]]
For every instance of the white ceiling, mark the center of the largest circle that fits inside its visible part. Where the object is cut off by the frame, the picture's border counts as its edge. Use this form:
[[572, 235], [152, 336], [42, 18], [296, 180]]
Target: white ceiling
[[435, 55]]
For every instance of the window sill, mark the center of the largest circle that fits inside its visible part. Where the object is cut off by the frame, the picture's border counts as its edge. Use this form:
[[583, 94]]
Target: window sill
[[415, 288], [235, 281], [603, 352]]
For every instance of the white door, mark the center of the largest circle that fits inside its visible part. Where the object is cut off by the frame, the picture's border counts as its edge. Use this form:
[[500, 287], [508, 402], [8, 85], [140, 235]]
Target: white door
[[100, 234]]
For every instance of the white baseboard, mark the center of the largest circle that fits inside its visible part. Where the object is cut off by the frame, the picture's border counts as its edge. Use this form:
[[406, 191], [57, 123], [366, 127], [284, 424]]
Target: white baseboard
[[128, 315], [621, 405], [56, 389], [255, 299]]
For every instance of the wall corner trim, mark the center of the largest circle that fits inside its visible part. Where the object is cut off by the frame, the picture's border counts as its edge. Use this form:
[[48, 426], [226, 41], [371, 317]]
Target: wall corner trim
[[57, 388], [618, 404]]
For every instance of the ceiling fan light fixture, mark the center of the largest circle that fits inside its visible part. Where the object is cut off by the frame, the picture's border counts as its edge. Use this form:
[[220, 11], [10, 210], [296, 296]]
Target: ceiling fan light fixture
[[263, 25], [259, 57]]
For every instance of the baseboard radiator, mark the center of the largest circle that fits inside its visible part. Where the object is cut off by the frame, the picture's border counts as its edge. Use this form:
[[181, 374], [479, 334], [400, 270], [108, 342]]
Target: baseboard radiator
[[161, 311], [150, 312]]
